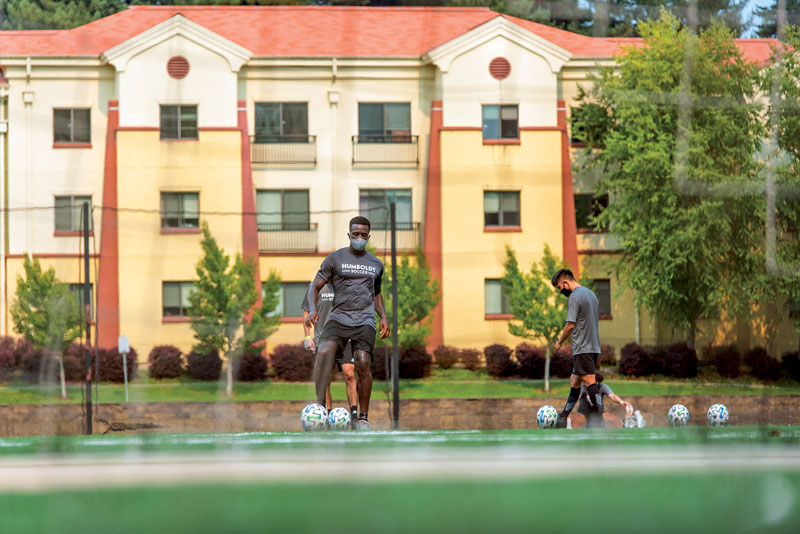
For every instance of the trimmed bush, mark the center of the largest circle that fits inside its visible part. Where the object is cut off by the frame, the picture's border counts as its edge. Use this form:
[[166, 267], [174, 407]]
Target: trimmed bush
[[561, 362], [203, 366], [39, 367], [530, 360], [762, 365], [8, 362], [679, 361], [727, 360], [74, 367], [252, 368], [292, 363], [790, 363], [166, 361], [111, 369], [499, 362], [445, 357], [633, 360], [415, 362], [378, 366], [608, 355], [470, 359], [22, 349]]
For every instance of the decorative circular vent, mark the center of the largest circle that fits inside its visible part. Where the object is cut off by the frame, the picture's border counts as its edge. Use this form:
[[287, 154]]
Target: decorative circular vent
[[178, 67], [499, 68]]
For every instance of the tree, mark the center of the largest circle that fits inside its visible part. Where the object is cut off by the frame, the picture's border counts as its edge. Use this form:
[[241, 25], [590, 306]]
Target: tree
[[769, 17], [417, 295], [54, 14], [683, 122], [538, 312], [45, 312], [223, 305]]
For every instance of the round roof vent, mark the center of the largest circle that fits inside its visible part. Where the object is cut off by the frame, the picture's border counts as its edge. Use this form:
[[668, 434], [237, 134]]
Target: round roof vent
[[178, 67], [499, 68]]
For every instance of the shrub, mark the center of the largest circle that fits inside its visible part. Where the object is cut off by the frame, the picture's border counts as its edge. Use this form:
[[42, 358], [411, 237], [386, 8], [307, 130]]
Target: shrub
[[561, 362], [7, 359], [727, 360], [39, 367], [445, 357], [679, 361], [110, 363], [166, 361], [499, 362], [22, 349], [754, 357], [530, 360], [762, 365], [791, 364], [608, 355], [379, 358], [633, 360], [204, 366], [74, 367], [252, 368], [470, 359], [415, 362], [292, 363]]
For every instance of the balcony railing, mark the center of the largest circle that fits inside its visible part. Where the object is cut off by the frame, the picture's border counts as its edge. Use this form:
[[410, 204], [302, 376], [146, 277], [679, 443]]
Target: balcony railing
[[380, 149], [287, 237], [283, 150], [408, 236]]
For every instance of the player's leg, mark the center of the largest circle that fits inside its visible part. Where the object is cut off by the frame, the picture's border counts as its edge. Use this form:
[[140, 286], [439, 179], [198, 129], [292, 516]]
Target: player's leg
[[587, 366], [363, 342], [572, 399], [347, 364], [322, 367]]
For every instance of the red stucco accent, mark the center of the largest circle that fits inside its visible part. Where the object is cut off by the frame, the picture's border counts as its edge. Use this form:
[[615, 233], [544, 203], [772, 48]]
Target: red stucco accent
[[570, 229], [249, 222], [108, 276], [433, 219]]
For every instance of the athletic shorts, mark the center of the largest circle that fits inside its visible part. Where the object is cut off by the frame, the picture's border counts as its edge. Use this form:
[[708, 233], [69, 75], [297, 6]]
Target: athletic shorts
[[360, 337], [584, 364], [342, 356]]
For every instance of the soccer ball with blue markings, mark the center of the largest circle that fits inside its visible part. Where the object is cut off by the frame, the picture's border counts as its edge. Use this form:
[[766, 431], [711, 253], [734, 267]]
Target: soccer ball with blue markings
[[547, 416], [718, 415], [314, 417], [678, 415], [339, 419]]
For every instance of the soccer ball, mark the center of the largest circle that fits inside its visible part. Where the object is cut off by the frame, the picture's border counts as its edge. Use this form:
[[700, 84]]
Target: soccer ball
[[339, 419], [718, 415], [547, 416], [314, 417], [678, 415]]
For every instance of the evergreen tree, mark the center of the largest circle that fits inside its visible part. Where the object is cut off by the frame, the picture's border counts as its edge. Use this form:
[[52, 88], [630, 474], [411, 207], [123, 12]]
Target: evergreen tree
[[768, 26], [54, 14]]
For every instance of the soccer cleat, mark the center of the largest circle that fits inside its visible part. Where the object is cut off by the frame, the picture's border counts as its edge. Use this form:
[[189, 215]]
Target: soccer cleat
[[561, 422], [353, 421], [362, 424]]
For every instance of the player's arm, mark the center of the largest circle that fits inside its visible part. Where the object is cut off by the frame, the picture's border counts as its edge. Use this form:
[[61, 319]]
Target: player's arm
[[313, 294], [616, 398], [565, 333], [308, 339], [381, 309]]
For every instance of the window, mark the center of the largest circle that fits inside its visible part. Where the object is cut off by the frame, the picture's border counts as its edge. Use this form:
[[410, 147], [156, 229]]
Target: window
[[291, 299], [602, 289], [175, 299], [587, 205], [178, 122], [180, 210], [69, 216], [77, 293], [501, 122], [278, 122], [384, 123], [374, 205], [71, 126], [496, 300], [283, 210], [501, 208]]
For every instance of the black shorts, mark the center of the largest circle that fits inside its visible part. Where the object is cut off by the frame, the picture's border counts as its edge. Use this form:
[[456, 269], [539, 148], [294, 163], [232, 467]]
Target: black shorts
[[584, 364], [360, 337], [342, 356]]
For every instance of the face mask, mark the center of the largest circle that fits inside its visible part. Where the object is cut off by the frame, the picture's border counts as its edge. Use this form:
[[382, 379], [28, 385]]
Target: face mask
[[566, 292], [358, 244]]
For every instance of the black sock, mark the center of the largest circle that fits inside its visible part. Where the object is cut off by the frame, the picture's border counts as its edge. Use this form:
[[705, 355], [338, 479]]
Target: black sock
[[595, 399], [363, 415], [354, 411], [572, 400]]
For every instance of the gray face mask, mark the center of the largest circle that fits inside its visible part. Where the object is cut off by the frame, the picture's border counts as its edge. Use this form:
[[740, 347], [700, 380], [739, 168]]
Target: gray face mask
[[358, 244]]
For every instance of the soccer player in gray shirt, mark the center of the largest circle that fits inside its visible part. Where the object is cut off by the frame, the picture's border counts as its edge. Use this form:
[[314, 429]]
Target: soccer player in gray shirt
[[582, 324], [355, 275]]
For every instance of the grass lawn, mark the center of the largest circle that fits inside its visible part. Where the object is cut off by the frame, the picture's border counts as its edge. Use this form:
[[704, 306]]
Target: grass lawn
[[451, 383]]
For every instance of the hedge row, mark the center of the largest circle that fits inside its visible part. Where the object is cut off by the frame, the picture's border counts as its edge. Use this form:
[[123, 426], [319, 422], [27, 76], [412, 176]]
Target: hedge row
[[675, 360], [758, 362]]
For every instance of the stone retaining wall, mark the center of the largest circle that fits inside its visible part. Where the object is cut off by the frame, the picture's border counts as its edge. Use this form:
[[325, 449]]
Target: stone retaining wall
[[416, 414]]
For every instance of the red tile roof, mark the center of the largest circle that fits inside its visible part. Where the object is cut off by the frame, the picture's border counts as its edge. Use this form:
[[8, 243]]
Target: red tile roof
[[313, 31]]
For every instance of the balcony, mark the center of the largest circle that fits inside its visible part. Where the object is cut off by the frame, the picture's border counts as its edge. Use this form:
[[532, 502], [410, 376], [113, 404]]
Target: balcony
[[408, 236], [287, 237], [393, 149], [283, 150]]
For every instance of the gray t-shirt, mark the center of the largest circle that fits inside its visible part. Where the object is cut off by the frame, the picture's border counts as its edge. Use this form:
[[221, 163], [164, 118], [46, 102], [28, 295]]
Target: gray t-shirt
[[324, 306], [355, 280], [604, 390], [583, 310]]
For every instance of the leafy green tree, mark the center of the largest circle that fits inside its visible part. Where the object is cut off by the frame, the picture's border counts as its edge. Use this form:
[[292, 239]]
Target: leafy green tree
[[222, 305], [683, 123], [54, 14], [538, 312], [417, 296], [768, 27]]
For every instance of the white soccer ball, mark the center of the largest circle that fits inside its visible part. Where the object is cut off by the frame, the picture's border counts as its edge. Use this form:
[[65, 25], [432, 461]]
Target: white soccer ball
[[339, 419], [678, 415], [718, 415], [314, 417], [547, 416]]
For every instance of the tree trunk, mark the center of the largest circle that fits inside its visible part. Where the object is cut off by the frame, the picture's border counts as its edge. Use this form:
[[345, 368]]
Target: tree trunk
[[229, 378], [61, 376], [547, 368], [690, 335]]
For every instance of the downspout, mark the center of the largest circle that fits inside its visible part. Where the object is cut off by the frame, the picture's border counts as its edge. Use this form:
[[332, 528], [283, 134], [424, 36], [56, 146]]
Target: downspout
[[333, 100], [3, 152], [27, 98]]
